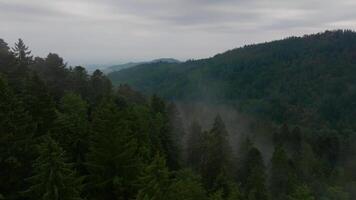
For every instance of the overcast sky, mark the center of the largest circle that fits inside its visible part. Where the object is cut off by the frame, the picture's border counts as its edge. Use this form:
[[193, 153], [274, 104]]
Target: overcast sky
[[116, 31]]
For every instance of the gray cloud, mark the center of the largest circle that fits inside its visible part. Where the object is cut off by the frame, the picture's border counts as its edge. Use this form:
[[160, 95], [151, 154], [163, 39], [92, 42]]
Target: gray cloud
[[109, 31]]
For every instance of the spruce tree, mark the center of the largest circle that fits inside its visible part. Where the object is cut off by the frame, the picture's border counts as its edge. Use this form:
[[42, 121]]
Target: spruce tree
[[195, 146], [113, 159], [72, 126], [53, 178], [282, 176], [255, 187], [99, 87], [169, 146], [216, 159], [22, 53], [244, 148], [301, 193], [154, 182], [16, 152], [39, 104], [186, 185]]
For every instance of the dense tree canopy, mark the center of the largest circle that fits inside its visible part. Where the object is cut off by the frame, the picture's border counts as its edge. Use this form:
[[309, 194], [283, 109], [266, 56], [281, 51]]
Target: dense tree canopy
[[66, 134]]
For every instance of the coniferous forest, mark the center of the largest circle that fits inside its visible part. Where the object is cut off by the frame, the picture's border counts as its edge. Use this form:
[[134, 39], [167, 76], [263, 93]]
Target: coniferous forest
[[66, 134]]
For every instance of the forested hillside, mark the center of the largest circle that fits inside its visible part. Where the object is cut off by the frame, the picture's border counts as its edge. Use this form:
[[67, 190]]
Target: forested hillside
[[309, 81], [66, 134]]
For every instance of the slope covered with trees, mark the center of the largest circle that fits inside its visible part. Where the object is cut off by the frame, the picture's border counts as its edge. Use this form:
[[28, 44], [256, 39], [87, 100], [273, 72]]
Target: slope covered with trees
[[66, 134], [307, 80]]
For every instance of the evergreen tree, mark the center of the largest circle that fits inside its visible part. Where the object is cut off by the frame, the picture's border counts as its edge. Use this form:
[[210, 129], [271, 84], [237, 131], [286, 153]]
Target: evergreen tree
[[79, 80], [281, 180], [195, 146], [154, 181], [72, 126], [113, 159], [16, 131], [7, 59], [216, 159], [245, 146], [22, 53], [169, 146], [186, 186], [301, 193], [255, 188], [39, 104], [100, 87], [56, 75], [53, 178], [218, 195]]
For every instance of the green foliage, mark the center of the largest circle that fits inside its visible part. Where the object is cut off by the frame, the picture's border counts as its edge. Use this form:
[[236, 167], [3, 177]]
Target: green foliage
[[164, 122], [301, 193], [154, 182], [130, 147], [195, 146], [22, 53], [113, 160], [16, 131], [335, 193], [186, 185], [301, 80], [217, 154], [255, 188], [39, 104], [53, 178], [282, 178], [72, 126]]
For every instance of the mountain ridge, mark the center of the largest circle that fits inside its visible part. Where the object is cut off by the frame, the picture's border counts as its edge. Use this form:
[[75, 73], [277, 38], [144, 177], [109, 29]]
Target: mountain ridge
[[291, 80]]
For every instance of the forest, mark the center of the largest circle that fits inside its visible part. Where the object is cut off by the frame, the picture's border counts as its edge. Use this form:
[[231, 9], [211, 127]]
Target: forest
[[66, 134]]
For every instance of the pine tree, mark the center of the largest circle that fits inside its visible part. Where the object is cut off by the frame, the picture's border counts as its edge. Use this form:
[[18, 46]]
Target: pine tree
[[56, 75], [113, 159], [79, 80], [7, 59], [186, 185], [301, 193], [16, 131], [282, 177], [195, 146], [255, 187], [216, 159], [244, 148], [72, 126], [100, 87], [53, 178], [167, 143], [154, 181], [22, 53], [39, 104]]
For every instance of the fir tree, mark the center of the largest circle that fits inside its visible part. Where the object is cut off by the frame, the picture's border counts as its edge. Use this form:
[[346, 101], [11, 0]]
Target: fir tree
[[301, 193], [113, 159], [255, 187], [72, 126], [281, 180], [16, 153], [39, 104], [53, 178], [216, 159], [154, 181], [195, 146], [186, 185], [22, 53], [169, 146]]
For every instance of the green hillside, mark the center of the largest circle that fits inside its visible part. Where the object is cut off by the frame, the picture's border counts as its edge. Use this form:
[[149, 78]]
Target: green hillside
[[305, 80]]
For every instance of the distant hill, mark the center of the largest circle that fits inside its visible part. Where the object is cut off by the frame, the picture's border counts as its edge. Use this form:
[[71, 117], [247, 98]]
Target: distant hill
[[133, 64], [308, 80]]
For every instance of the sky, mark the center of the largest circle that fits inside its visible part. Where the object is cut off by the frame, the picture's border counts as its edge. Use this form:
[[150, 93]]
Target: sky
[[107, 32]]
